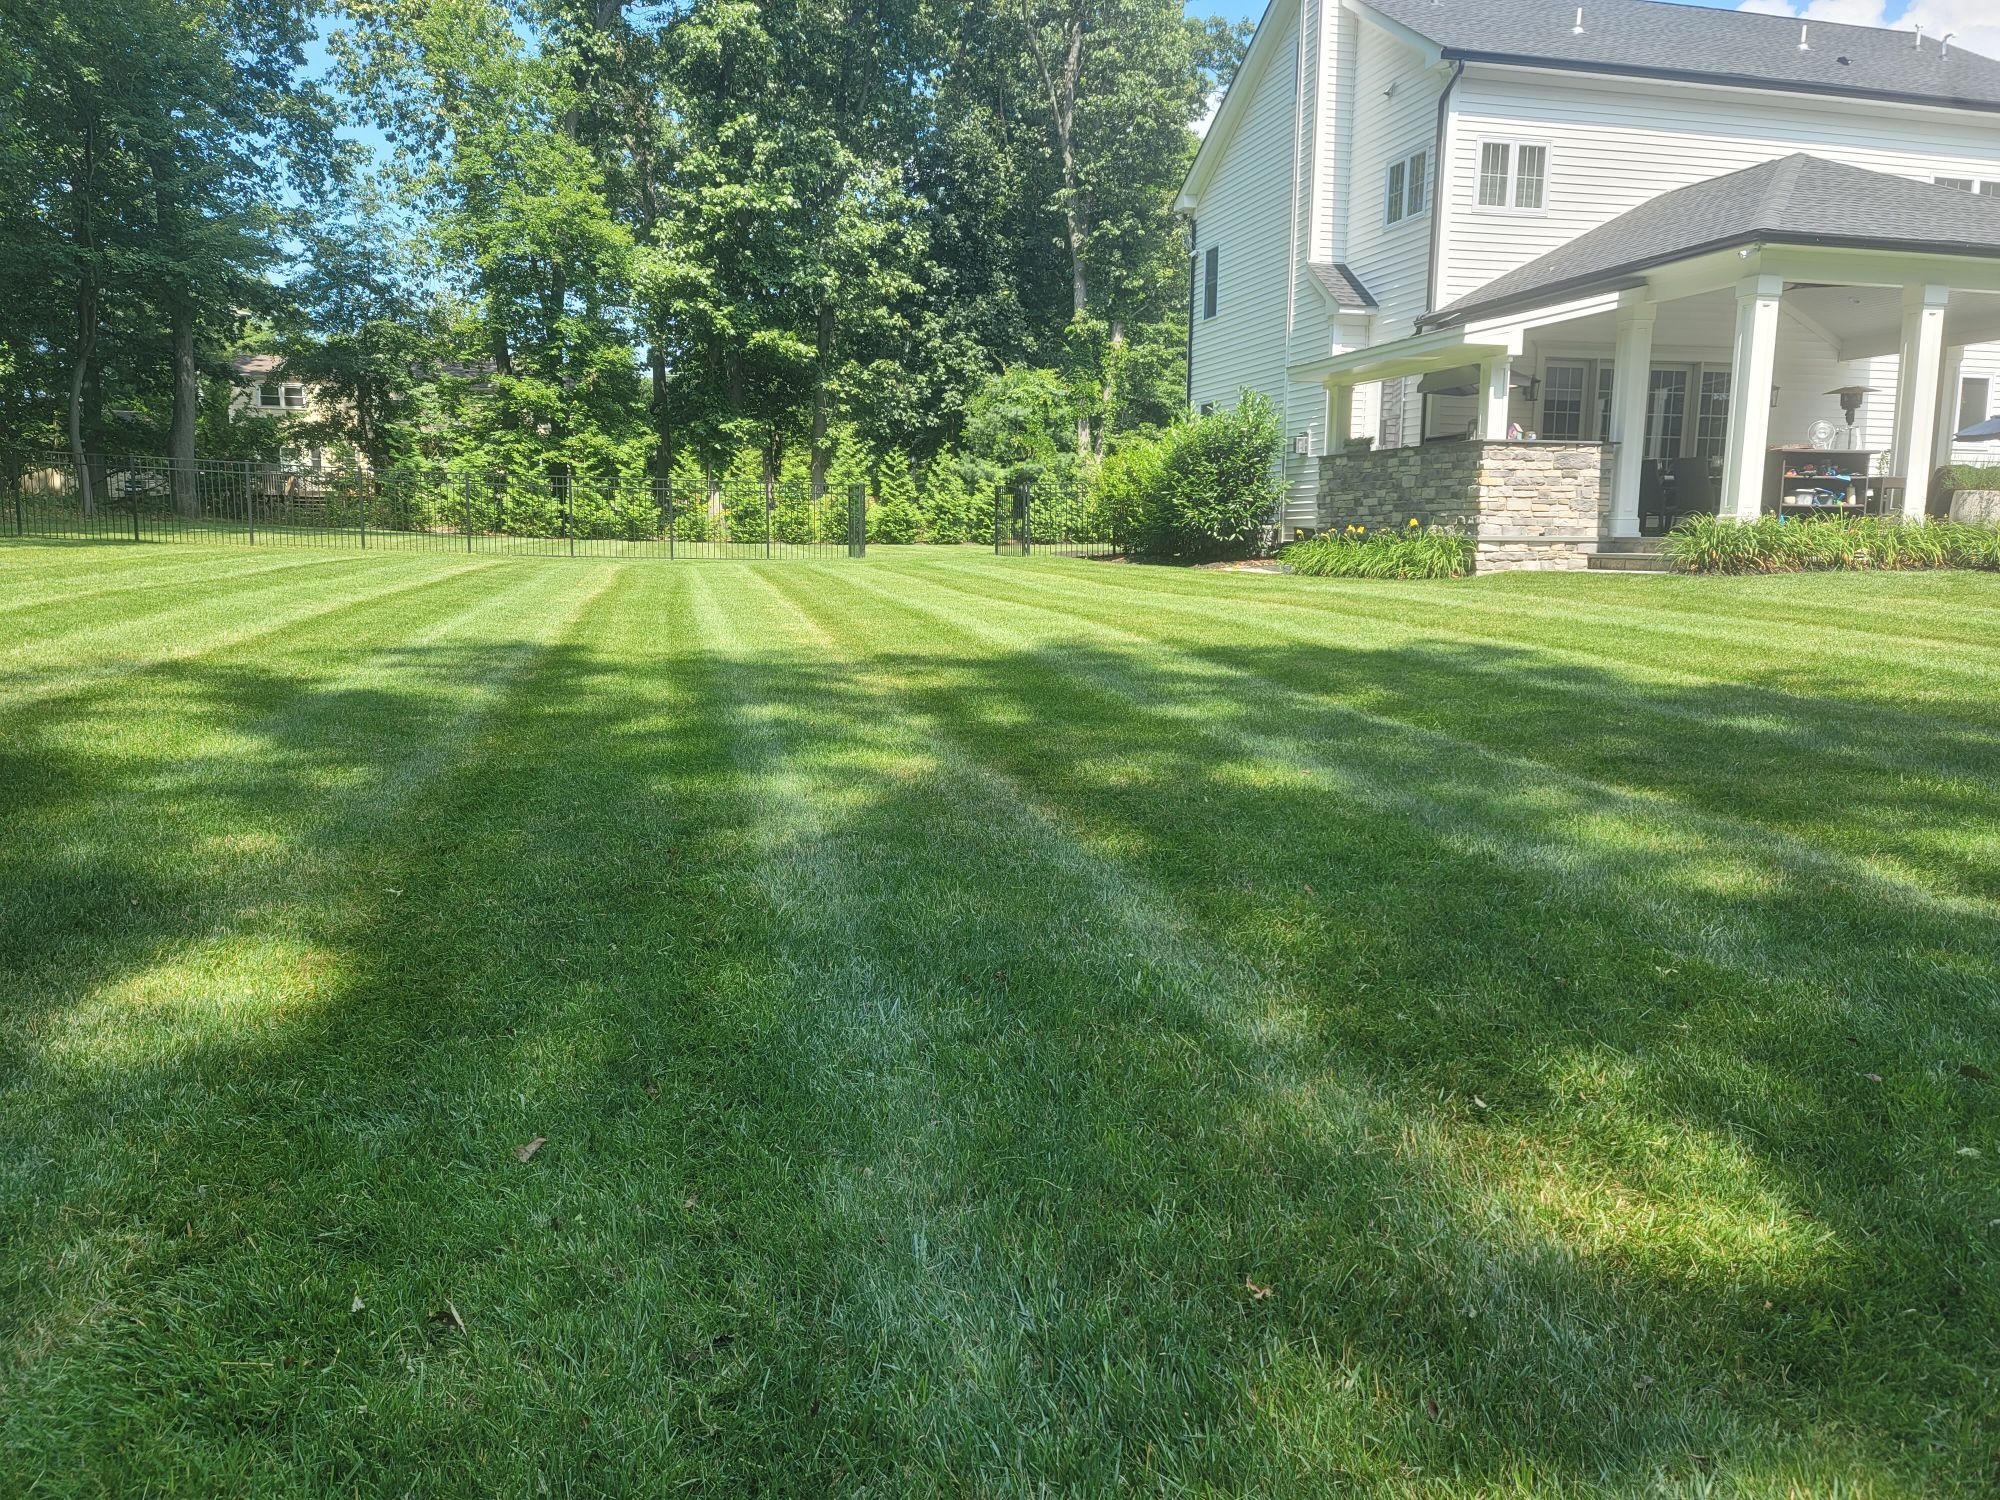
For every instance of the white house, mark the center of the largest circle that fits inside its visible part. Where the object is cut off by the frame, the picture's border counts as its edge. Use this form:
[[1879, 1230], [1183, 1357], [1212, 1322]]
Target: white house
[[1434, 224]]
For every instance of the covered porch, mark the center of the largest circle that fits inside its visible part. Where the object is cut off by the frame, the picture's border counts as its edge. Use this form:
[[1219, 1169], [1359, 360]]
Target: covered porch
[[1734, 348]]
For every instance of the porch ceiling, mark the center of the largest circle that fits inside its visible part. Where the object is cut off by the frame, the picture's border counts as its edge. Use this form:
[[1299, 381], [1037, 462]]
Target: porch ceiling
[[1859, 322]]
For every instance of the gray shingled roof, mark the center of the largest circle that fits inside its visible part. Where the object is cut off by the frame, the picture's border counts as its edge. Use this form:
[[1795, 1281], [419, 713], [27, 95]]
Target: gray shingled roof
[[1342, 285], [1683, 41], [1796, 200]]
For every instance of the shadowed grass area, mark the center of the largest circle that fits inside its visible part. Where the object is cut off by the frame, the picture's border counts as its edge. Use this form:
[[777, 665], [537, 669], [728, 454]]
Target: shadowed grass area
[[997, 1027]]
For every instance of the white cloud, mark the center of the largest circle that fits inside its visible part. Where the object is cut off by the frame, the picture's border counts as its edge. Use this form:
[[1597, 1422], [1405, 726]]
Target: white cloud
[[1975, 22]]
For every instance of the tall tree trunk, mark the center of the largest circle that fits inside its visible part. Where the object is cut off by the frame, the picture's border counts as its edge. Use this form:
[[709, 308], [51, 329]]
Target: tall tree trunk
[[821, 418], [86, 345], [187, 402]]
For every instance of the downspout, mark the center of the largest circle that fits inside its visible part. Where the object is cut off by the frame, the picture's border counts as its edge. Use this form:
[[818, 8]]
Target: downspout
[[1292, 276], [1437, 223]]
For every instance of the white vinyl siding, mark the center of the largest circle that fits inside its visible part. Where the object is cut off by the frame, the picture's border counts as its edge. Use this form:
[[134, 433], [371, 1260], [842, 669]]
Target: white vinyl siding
[[1616, 143]]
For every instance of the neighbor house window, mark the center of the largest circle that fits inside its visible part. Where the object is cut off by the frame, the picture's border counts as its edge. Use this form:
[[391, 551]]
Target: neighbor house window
[[1514, 175], [1711, 416], [267, 396], [1208, 284], [1409, 188], [1975, 400], [295, 398], [1989, 189]]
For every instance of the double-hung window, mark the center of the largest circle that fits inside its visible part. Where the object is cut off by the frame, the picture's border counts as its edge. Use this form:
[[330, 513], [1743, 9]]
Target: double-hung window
[[1408, 189], [1513, 177]]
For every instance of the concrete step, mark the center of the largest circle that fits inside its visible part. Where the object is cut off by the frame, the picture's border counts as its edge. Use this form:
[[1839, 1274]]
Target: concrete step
[[1629, 562]]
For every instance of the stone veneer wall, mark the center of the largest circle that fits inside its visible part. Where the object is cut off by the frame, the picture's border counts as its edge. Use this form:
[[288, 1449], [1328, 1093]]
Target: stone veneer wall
[[1527, 505]]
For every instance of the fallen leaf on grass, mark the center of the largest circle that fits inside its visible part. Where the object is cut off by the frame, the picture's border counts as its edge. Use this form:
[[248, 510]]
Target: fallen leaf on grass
[[1257, 1293], [1974, 1072], [358, 1304], [687, 1203], [1479, 1101], [1972, 1151], [527, 1152], [449, 1314], [652, 1089], [1872, 1077]]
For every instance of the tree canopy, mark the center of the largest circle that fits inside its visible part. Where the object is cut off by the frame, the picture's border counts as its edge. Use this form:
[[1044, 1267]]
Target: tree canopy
[[603, 236]]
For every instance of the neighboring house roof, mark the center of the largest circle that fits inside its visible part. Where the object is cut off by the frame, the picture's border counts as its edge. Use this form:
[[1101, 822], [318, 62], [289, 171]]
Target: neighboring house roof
[[1341, 286], [1796, 200], [257, 364], [1653, 39]]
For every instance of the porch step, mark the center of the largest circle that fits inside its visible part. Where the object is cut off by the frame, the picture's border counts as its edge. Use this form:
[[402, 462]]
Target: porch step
[[1629, 560]]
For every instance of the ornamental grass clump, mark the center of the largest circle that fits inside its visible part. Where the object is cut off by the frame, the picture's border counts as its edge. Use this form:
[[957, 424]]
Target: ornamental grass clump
[[1715, 544], [1412, 551]]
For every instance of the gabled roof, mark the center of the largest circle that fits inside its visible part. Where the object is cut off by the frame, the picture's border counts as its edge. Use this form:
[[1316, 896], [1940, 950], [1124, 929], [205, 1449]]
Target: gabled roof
[[1236, 97], [1653, 39], [1341, 286], [1796, 200]]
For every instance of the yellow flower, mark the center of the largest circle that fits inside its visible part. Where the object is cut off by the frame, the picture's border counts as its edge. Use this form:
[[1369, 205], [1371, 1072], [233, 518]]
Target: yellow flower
[[1413, 520]]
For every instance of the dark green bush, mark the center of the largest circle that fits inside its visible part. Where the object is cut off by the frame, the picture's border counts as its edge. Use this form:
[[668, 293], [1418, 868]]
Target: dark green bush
[[1217, 486], [1973, 477], [1412, 551]]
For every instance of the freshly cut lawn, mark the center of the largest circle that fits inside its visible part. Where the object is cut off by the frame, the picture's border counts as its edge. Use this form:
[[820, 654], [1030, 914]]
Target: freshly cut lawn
[[997, 1027]]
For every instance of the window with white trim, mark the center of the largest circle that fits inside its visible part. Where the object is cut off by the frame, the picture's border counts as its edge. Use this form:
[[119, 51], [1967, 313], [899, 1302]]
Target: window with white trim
[[1711, 415], [1985, 188], [1513, 177], [1407, 188], [1975, 400], [1562, 400]]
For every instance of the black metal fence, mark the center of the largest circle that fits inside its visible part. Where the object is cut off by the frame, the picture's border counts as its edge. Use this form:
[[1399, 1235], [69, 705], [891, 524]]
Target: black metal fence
[[250, 503], [1054, 518]]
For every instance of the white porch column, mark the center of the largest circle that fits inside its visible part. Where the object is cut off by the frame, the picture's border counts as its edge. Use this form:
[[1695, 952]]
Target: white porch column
[[1954, 371], [1339, 417], [1495, 390], [1631, 378], [1919, 370], [1751, 373]]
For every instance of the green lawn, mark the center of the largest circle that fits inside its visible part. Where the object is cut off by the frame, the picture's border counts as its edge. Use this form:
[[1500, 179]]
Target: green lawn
[[998, 1026]]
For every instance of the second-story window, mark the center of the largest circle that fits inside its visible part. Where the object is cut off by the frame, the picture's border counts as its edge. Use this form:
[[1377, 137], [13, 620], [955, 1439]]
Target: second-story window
[[1971, 185], [1513, 176], [1408, 189], [1211, 268]]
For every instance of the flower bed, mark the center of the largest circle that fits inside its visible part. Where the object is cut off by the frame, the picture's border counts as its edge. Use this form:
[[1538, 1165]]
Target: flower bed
[[1413, 551], [1711, 544]]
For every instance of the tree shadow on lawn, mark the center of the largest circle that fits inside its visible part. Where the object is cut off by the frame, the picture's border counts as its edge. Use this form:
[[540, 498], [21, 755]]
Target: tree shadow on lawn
[[998, 1074], [1809, 749]]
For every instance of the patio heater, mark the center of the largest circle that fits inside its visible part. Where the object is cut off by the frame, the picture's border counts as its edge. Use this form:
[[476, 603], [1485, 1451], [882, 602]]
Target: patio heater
[[1850, 408]]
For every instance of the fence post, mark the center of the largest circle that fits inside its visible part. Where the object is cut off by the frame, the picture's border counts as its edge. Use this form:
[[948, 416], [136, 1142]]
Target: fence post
[[1027, 517], [20, 512], [857, 520], [670, 519], [569, 532], [468, 512], [132, 494], [361, 499], [770, 514], [250, 501], [999, 490]]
